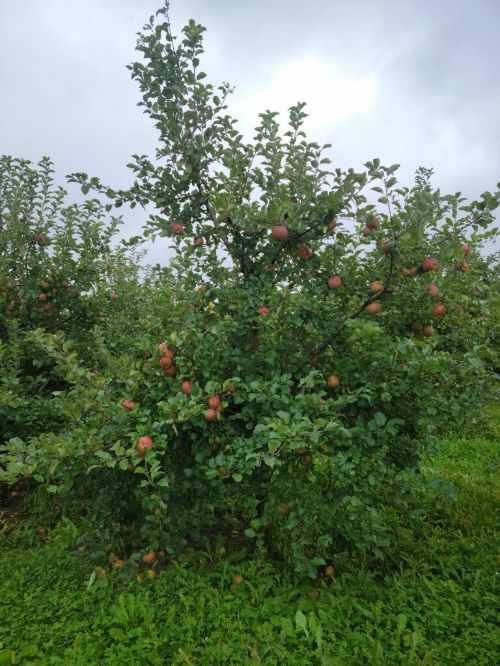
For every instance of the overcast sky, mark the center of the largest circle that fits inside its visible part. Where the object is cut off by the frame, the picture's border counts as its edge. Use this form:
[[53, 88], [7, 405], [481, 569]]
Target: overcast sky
[[409, 81]]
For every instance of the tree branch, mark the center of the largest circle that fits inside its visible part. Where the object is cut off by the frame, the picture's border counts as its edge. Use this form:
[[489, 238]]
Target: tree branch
[[312, 358]]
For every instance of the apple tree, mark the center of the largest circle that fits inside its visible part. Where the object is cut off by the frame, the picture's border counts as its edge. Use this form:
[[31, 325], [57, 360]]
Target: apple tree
[[322, 326]]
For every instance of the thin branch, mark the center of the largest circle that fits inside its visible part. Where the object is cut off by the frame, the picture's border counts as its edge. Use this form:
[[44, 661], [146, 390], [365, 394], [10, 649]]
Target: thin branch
[[354, 315]]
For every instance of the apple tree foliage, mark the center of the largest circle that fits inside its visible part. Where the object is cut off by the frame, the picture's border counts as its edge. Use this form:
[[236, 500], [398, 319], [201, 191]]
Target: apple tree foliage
[[247, 314], [62, 278]]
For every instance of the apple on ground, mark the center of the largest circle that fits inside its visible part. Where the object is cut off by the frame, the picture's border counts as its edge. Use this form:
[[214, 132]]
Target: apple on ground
[[149, 557]]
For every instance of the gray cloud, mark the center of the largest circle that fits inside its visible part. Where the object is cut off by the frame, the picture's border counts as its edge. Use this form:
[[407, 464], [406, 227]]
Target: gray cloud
[[431, 90]]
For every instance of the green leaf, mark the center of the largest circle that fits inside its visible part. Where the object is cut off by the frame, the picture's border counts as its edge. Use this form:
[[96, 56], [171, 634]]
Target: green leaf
[[301, 622]]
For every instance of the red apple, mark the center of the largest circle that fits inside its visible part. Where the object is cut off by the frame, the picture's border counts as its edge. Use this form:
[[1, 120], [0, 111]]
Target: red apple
[[210, 415], [113, 296], [171, 371], [334, 282], [149, 557], [465, 249], [374, 224], [279, 232], [144, 444], [429, 264], [44, 285], [42, 297], [214, 402], [304, 252], [308, 459], [199, 241], [366, 231], [333, 223], [385, 246], [128, 405], [166, 361], [39, 238], [439, 310], [376, 286], [374, 308], [264, 310], [176, 228], [163, 348], [186, 387], [47, 307], [333, 381], [432, 289]]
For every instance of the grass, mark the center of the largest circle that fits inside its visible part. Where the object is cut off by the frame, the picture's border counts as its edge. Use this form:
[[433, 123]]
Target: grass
[[439, 607]]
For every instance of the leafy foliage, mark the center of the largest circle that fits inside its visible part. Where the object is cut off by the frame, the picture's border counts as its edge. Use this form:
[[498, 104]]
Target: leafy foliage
[[317, 328], [438, 606]]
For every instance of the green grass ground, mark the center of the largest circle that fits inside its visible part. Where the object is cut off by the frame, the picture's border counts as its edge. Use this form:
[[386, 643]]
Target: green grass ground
[[438, 606]]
